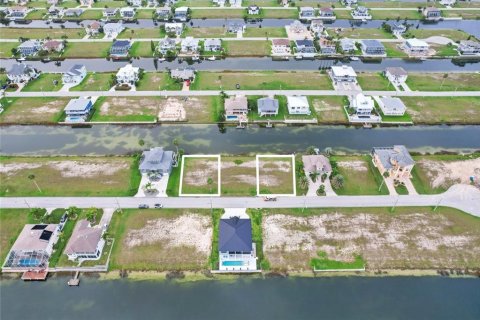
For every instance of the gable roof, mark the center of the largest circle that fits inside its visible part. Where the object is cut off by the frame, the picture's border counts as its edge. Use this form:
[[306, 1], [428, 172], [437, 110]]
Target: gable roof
[[156, 159], [20, 69], [84, 238], [396, 154], [235, 234]]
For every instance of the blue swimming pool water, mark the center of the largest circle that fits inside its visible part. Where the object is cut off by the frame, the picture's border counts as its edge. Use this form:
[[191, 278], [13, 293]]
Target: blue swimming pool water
[[28, 262], [232, 263]]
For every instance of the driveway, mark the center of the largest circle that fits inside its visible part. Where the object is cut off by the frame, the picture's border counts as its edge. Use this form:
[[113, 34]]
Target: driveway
[[160, 185]]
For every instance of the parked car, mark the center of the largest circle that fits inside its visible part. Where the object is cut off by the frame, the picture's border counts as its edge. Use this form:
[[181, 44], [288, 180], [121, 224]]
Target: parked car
[[158, 205], [269, 199], [143, 206]]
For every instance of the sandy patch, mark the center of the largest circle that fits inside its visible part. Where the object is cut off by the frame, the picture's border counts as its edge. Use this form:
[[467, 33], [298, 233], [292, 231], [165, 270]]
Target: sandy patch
[[172, 110], [204, 169], [446, 173], [84, 169], [277, 165], [190, 230], [126, 106], [12, 168], [353, 165], [51, 107], [231, 164]]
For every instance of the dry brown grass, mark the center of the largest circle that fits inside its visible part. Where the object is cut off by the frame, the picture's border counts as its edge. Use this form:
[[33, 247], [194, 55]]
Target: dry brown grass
[[197, 172], [275, 175], [239, 176], [33, 110]]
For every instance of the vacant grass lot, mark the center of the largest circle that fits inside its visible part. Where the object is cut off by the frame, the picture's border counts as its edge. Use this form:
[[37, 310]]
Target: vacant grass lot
[[392, 50], [374, 81], [444, 81], [359, 33], [279, 14], [45, 82], [393, 14], [239, 176], [153, 81], [108, 4], [216, 13], [444, 109], [464, 14], [38, 33], [200, 175], [68, 176], [146, 33], [268, 32], [267, 80], [167, 239], [95, 82], [361, 178], [87, 50], [455, 35], [33, 110], [252, 48], [11, 223], [37, 14], [329, 109], [141, 49], [6, 49], [276, 175], [213, 32], [112, 109]]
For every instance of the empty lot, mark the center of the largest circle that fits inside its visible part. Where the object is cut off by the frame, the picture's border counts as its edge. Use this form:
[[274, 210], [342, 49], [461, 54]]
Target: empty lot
[[239, 176], [275, 175], [200, 175]]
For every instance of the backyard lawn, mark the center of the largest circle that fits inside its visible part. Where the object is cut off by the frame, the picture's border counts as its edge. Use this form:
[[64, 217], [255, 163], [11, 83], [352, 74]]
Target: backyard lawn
[[141, 49], [361, 33], [153, 81], [444, 81], [39, 33], [254, 48], [95, 82], [392, 50], [6, 48], [200, 175], [217, 13], [11, 223], [374, 81], [265, 32], [276, 175], [394, 14], [40, 110], [329, 109], [45, 82], [239, 176], [144, 33], [87, 50], [36, 14], [69, 176], [454, 35], [113, 109]]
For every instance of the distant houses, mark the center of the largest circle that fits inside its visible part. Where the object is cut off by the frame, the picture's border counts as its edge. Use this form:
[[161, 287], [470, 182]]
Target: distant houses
[[432, 14], [468, 47], [395, 160], [86, 242], [156, 161], [78, 110], [253, 10], [75, 74]]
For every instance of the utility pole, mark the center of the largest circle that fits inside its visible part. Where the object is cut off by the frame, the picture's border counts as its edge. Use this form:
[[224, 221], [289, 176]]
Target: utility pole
[[438, 204], [27, 204]]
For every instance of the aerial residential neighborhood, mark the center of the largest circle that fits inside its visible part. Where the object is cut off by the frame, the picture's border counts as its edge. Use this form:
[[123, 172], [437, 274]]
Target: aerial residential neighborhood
[[211, 159]]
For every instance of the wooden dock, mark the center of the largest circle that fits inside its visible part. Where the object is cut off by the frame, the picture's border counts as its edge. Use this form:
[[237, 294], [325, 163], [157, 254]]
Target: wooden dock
[[75, 281], [35, 275]]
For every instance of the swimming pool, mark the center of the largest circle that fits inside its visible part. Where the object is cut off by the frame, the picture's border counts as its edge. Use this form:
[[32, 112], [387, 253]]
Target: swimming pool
[[28, 262], [233, 263]]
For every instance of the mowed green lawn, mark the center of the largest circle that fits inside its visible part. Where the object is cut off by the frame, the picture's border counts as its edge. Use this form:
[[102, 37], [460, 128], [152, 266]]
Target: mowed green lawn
[[361, 33], [247, 48], [6, 48], [40, 110], [45, 82], [11, 223], [216, 13], [265, 32], [268, 80], [87, 50], [40, 33], [455, 35], [69, 176], [374, 81], [95, 82], [141, 49], [146, 33], [444, 81]]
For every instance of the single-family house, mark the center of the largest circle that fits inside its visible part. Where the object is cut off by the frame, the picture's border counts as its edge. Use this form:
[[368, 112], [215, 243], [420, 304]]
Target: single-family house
[[316, 26], [326, 14], [349, 3], [93, 28], [298, 105], [86, 3], [78, 110], [392, 106], [21, 72], [469, 47], [128, 75], [236, 107], [395, 160], [110, 12], [305, 47], [316, 163], [127, 13], [52, 2], [152, 3], [167, 44], [235, 27], [86, 242], [29, 47], [306, 13], [399, 29], [363, 105], [187, 74], [157, 161], [189, 45], [73, 13], [347, 45], [55, 12], [33, 247], [361, 13], [343, 73], [432, 13], [53, 46], [448, 3], [237, 251], [235, 3], [280, 47], [372, 48], [212, 45], [16, 12], [112, 30], [396, 75], [416, 47], [181, 14], [163, 13], [174, 28], [298, 31], [135, 3], [220, 3], [120, 48], [253, 10], [267, 106], [75, 74], [327, 46]]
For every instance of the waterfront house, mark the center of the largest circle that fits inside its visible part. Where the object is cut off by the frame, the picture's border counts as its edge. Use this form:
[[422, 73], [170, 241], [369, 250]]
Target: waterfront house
[[163, 14], [237, 251], [220, 3], [152, 3], [75, 74], [167, 44], [212, 45], [85, 243], [361, 13], [396, 75], [156, 161], [52, 2], [395, 160], [235, 27], [127, 13], [16, 12], [316, 163], [298, 31], [267, 107], [343, 73], [306, 13], [391, 106], [186, 74], [298, 105], [236, 107], [128, 75], [372, 48], [86, 3], [120, 48], [280, 47], [416, 47], [347, 45], [93, 28], [399, 29], [55, 12], [112, 30], [363, 105], [316, 26], [33, 247], [349, 3], [110, 12], [78, 110], [305, 48], [469, 47], [326, 14], [253, 10], [448, 3], [181, 14], [174, 28], [73, 13], [327, 46], [21, 72], [53, 46], [29, 47], [189, 45], [235, 3], [134, 3], [432, 13]]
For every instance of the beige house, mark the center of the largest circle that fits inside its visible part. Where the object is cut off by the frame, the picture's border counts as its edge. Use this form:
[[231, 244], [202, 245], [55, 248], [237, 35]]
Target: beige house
[[236, 108], [395, 160], [316, 164]]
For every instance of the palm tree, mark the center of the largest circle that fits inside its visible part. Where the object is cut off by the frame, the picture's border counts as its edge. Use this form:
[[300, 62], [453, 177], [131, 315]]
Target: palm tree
[[338, 182], [175, 143], [91, 214], [210, 182], [303, 182], [32, 178], [445, 76]]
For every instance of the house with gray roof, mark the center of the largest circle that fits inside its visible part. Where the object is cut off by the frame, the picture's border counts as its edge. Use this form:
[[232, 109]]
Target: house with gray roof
[[167, 44], [469, 47], [347, 45], [78, 110], [267, 107], [396, 75], [86, 242], [75, 74], [372, 48], [212, 45], [395, 160], [157, 161], [183, 74], [163, 14], [120, 48], [316, 163], [21, 72], [29, 47], [392, 106]]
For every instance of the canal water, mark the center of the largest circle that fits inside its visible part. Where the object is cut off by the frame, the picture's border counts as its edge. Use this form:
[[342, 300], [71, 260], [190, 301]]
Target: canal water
[[304, 298], [115, 139]]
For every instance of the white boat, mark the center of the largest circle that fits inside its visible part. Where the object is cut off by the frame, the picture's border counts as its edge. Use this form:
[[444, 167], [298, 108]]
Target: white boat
[[21, 59], [196, 58], [354, 58], [161, 59], [212, 58]]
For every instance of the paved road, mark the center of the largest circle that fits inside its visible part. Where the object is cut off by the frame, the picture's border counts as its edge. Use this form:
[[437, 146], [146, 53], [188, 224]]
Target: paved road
[[462, 197], [242, 92]]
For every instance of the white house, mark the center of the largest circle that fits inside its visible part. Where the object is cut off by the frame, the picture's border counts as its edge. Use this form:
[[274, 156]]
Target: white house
[[392, 106], [135, 3], [469, 47], [280, 47], [253, 10], [110, 12], [127, 13], [347, 45], [212, 45], [112, 30], [21, 72], [363, 105], [78, 110], [75, 74], [189, 45], [361, 13], [316, 26], [343, 74], [128, 75], [416, 47], [181, 14], [174, 28], [396, 75], [167, 44], [298, 105], [86, 242], [306, 13]]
